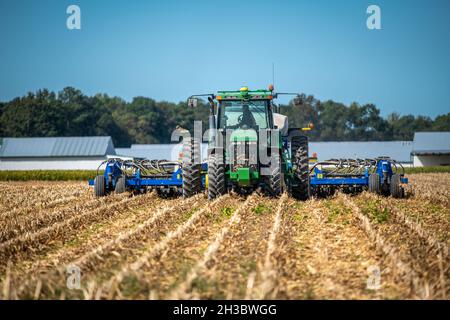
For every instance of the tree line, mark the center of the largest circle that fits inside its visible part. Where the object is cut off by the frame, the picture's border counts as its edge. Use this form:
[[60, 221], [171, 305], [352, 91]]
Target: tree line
[[144, 120]]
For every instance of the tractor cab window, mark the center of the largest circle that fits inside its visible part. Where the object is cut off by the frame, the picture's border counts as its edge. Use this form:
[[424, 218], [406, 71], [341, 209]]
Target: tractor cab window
[[239, 114]]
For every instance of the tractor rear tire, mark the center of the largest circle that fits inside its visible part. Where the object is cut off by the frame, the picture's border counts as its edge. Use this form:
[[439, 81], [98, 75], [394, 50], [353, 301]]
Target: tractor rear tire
[[273, 181], [374, 183], [300, 162], [191, 170], [216, 176], [395, 188], [120, 185], [99, 186]]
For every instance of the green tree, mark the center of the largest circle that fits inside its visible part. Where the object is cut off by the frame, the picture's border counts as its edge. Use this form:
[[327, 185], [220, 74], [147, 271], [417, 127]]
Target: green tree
[[442, 123], [143, 120]]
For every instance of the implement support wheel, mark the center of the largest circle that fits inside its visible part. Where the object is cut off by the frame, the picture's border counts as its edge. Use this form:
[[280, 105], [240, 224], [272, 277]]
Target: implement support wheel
[[374, 183], [395, 188], [99, 186], [120, 185]]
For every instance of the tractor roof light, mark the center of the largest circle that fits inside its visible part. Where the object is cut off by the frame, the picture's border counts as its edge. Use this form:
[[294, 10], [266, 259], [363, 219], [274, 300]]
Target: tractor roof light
[[244, 92]]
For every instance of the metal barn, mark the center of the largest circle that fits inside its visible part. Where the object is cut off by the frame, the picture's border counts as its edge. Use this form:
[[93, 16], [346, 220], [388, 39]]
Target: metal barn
[[58, 153]]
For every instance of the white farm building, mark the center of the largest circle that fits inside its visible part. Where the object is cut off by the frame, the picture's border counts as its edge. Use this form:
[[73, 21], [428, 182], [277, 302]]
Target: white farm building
[[59, 153], [431, 149]]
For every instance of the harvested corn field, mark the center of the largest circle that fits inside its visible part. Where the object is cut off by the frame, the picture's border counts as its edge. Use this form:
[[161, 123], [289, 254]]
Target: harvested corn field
[[59, 242]]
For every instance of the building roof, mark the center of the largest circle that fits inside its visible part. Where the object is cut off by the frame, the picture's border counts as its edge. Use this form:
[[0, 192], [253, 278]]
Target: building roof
[[397, 150], [156, 151], [426, 143], [56, 147]]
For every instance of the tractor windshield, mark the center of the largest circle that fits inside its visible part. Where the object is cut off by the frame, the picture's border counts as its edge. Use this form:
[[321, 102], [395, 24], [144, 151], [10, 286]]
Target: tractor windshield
[[238, 114]]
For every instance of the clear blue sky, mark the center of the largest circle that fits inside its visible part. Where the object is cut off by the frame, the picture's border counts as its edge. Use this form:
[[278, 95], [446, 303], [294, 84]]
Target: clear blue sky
[[168, 50]]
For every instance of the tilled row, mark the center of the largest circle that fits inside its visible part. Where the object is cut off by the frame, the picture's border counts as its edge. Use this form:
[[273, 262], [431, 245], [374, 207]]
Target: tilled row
[[433, 188], [33, 243], [187, 288], [416, 260], [233, 260], [98, 263], [162, 266], [83, 246], [323, 254], [430, 224], [241, 248], [17, 198], [16, 224]]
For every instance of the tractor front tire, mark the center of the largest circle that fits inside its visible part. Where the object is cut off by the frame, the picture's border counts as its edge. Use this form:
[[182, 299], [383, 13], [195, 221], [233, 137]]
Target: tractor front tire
[[374, 183], [191, 168], [99, 186], [299, 151], [216, 176], [273, 181], [120, 185]]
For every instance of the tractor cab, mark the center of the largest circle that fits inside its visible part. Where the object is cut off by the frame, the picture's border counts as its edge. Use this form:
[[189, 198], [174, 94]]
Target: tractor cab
[[244, 109]]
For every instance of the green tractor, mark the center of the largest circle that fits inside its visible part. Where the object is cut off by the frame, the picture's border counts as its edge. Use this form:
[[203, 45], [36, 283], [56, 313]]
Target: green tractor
[[250, 147]]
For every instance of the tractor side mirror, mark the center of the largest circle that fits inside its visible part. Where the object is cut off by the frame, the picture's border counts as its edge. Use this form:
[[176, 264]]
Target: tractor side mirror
[[192, 102], [298, 101]]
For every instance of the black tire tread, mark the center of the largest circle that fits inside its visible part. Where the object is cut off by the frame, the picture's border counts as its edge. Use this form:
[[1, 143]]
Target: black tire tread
[[120, 185], [216, 176], [273, 181], [191, 168], [395, 188], [374, 183], [99, 186], [300, 166]]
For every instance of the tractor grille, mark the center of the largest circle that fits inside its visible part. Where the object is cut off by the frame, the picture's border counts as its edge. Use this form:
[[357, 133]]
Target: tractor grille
[[244, 154]]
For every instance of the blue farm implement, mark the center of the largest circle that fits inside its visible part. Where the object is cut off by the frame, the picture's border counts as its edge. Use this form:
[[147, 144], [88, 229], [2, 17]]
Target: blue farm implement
[[381, 176], [139, 176]]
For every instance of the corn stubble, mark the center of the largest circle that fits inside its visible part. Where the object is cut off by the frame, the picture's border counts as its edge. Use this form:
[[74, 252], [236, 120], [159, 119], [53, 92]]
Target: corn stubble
[[144, 247]]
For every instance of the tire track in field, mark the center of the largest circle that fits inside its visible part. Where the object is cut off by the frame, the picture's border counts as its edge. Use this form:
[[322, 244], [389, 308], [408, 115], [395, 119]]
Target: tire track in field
[[182, 291], [98, 261], [238, 254], [323, 255], [163, 273], [425, 267], [268, 279], [35, 242], [114, 287]]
